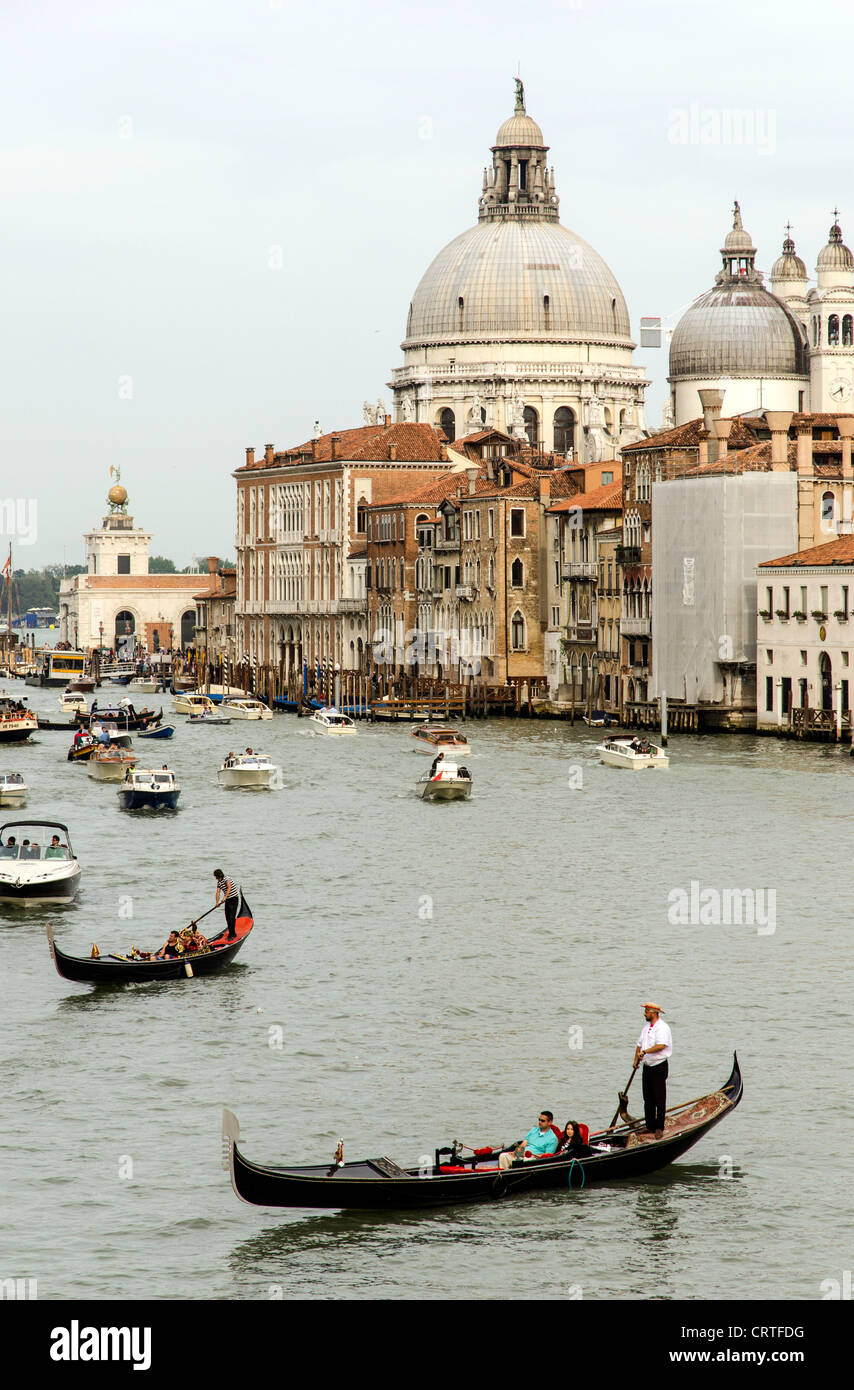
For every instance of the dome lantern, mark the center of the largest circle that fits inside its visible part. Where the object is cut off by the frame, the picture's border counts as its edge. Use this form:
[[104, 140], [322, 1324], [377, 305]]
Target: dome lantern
[[519, 183]]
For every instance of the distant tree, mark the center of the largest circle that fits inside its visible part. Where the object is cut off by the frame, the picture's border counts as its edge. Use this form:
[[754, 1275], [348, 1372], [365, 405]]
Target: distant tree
[[158, 564]]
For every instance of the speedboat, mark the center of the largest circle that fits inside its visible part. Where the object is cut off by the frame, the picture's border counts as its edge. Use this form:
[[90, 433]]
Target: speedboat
[[146, 684], [13, 789], [191, 702], [246, 709], [16, 721], [208, 716], [633, 753], [72, 702], [34, 872], [157, 731], [109, 733], [449, 783], [600, 719], [330, 721], [149, 788], [110, 764], [247, 770], [438, 738]]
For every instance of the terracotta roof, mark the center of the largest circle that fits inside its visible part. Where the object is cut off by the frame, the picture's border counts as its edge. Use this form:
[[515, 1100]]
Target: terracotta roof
[[356, 551], [689, 435], [836, 552], [414, 443], [608, 498]]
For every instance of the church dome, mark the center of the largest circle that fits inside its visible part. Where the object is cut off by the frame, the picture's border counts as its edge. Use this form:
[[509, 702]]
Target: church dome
[[788, 266], [517, 278], [520, 129], [737, 330], [835, 255]]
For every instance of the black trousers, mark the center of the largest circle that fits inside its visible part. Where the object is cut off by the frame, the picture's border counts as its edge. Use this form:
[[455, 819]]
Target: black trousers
[[231, 914], [655, 1095]]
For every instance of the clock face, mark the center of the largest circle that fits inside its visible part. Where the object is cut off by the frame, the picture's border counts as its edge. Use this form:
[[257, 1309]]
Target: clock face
[[840, 390]]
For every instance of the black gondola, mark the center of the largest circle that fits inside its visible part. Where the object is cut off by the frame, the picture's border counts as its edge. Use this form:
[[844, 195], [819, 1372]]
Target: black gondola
[[115, 969], [128, 721], [378, 1183]]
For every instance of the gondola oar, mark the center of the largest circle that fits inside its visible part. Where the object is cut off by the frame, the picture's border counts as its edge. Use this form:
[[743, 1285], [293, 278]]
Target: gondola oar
[[623, 1096]]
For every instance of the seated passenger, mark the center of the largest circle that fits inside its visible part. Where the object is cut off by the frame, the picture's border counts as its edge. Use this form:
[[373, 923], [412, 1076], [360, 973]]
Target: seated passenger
[[30, 851], [171, 949], [572, 1142], [10, 849], [539, 1141], [54, 849]]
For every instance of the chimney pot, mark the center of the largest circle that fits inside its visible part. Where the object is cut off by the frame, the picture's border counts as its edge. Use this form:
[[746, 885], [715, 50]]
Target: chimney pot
[[471, 474], [314, 448], [392, 452], [335, 441], [778, 422], [213, 565], [268, 453], [250, 458], [804, 447], [712, 402], [387, 421]]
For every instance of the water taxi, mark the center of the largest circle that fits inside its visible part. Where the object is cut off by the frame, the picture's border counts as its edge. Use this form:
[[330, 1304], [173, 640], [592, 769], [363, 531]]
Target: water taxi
[[191, 702], [208, 716], [148, 788], [58, 668], [633, 753], [438, 738], [72, 702], [331, 721], [450, 782], [245, 709], [13, 789], [16, 721], [247, 770], [110, 764], [33, 872]]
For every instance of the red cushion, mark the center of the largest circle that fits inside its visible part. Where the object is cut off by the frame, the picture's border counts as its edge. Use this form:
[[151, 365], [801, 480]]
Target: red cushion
[[448, 1168]]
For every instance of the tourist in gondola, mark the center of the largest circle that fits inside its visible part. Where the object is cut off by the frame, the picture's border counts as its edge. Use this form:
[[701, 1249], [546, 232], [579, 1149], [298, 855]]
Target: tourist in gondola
[[572, 1142], [541, 1139], [655, 1046], [172, 948], [228, 893]]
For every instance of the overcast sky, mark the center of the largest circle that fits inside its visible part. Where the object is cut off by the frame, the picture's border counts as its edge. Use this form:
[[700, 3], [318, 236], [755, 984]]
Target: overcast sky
[[159, 162]]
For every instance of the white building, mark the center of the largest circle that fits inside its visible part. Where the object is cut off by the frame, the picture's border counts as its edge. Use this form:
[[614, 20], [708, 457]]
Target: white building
[[805, 604], [519, 324], [117, 602]]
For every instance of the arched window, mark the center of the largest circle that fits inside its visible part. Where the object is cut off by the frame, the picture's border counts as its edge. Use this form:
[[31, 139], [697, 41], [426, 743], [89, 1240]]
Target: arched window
[[448, 422], [532, 426], [517, 574], [828, 512], [833, 331], [848, 331], [564, 429], [517, 632]]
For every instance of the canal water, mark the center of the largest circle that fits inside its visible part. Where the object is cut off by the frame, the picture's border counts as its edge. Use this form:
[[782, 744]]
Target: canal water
[[420, 973]]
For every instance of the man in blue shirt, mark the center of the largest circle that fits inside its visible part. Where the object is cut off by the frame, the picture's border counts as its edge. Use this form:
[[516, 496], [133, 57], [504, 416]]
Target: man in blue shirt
[[540, 1139]]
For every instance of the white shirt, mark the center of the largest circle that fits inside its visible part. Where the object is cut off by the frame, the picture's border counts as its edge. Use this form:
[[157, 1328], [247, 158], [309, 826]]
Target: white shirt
[[651, 1035]]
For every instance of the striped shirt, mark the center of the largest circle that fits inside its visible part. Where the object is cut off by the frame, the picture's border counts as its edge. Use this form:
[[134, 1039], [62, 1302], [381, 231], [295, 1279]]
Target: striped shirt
[[228, 887]]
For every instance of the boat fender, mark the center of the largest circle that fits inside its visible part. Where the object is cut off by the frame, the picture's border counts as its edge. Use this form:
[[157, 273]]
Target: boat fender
[[499, 1185], [580, 1167]]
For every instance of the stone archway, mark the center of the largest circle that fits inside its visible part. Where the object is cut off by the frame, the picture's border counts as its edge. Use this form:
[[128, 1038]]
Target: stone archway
[[825, 671], [188, 627]]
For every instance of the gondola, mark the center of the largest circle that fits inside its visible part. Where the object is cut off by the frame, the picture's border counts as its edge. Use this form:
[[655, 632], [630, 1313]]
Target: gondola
[[116, 969], [128, 722], [379, 1184]]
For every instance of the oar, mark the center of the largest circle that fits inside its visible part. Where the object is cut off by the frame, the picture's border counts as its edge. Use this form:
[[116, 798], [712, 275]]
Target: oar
[[623, 1093]]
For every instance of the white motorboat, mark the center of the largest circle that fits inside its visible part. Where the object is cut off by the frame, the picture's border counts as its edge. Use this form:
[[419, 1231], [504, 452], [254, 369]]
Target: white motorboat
[[245, 709], [450, 783], [247, 770], [110, 764], [13, 789], [147, 684], [227, 692], [331, 721], [191, 702], [438, 738], [208, 716], [633, 753], [149, 788], [72, 702], [37, 870]]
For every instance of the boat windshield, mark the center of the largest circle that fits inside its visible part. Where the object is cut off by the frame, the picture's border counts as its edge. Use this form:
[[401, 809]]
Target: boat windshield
[[34, 852]]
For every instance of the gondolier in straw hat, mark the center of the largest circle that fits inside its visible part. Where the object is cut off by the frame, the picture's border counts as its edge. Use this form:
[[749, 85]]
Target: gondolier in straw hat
[[655, 1046], [228, 893]]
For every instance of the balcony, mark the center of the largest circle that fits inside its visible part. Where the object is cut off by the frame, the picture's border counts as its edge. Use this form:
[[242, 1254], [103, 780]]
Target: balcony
[[635, 627], [628, 554], [442, 543], [466, 591], [352, 605], [580, 569], [581, 632]]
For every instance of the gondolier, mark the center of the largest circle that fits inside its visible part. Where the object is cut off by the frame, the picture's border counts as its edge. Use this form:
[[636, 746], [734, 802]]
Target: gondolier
[[227, 892], [655, 1046]]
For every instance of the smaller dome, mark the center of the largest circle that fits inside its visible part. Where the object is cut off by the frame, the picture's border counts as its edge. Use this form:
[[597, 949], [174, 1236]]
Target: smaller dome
[[520, 129], [788, 266], [737, 239], [117, 495], [835, 255]]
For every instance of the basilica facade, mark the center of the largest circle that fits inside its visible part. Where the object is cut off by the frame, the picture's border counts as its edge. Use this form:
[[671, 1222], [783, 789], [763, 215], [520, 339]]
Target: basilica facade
[[518, 324]]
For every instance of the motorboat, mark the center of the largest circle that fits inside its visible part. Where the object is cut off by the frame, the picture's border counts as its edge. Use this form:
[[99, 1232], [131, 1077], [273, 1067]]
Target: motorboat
[[72, 702], [147, 684], [37, 870], [83, 746], [16, 721], [331, 721], [600, 719], [191, 702], [157, 731], [247, 770], [634, 753], [245, 709], [218, 693], [110, 764], [149, 788], [208, 716], [13, 789], [438, 738], [450, 782]]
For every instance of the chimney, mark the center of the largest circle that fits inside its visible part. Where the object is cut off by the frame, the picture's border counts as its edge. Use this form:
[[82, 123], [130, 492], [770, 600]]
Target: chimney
[[721, 430], [213, 565], [471, 474], [250, 458], [703, 447], [268, 454], [443, 454], [387, 421], [392, 452], [335, 441], [804, 446], [545, 489], [314, 448], [778, 423], [490, 470], [711, 401]]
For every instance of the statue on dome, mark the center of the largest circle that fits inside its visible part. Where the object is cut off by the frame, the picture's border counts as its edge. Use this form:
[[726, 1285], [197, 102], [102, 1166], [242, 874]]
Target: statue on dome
[[516, 416], [369, 413], [381, 411], [520, 94], [117, 495], [477, 415], [668, 420]]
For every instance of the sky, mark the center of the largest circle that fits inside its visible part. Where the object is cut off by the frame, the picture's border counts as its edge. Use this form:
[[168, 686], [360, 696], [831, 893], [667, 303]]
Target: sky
[[214, 215]]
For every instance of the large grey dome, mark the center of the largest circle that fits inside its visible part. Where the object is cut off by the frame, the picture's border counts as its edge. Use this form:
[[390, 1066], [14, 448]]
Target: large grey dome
[[737, 330], [517, 277]]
